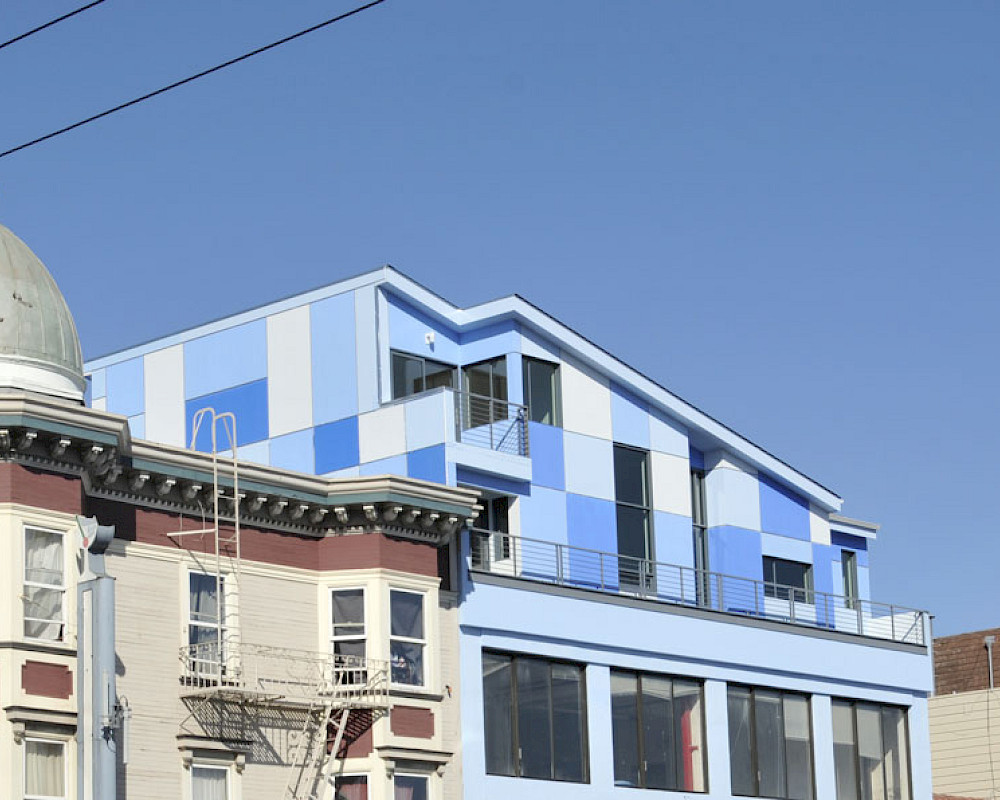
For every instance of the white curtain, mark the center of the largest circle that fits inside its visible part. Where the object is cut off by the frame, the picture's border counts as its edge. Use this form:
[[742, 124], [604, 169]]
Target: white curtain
[[43, 564], [352, 788], [208, 783], [44, 770]]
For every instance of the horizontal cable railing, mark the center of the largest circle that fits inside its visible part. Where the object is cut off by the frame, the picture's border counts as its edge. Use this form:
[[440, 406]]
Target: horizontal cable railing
[[580, 567], [283, 673], [492, 423]]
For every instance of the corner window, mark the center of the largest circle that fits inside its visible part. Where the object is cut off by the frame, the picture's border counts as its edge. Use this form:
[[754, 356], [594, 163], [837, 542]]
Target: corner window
[[633, 512], [871, 751], [788, 579], [413, 375], [542, 393], [409, 787], [535, 718], [406, 637], [44, 770], [44, 585], [485, 386], [770, 744], [350, 787], [209, 783], [659, 733]]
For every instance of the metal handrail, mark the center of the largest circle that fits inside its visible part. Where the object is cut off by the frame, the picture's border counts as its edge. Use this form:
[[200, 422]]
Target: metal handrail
[[598, 570], [491, 422]]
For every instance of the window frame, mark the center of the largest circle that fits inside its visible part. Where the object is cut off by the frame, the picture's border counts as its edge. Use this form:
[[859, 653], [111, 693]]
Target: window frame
[[515, 738], [849, 572], [640, 735], [853, 703], [60, 588], [754, 748], [363, 637], [784, 591], [24, 769], [422, 642], [424, 360], [526, 362], [628, 575]]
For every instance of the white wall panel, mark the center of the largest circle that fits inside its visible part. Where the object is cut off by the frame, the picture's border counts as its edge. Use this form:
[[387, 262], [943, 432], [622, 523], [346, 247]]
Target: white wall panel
[[589, 466], [819, 526], [289, 371], [671, 483], [382, 433], [163, 379], [586, 401], [733, 493]]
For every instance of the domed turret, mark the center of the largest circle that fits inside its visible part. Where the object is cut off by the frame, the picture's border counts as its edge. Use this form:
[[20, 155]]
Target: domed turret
[[39, 348]]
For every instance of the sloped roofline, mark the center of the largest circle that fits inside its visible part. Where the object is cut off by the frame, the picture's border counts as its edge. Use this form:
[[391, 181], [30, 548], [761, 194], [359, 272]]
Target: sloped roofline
[[517, 308]]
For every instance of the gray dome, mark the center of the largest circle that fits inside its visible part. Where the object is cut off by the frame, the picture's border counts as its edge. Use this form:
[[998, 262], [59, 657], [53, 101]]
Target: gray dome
[[39, 348]]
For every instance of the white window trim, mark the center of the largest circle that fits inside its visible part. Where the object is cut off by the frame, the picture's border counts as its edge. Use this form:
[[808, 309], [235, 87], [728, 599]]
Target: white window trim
[[230, 612], [366, 622], [425, 683], [26, 583], [24, 769]]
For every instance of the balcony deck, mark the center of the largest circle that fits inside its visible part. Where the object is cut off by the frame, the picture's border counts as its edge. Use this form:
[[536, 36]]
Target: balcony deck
[[609, 573]]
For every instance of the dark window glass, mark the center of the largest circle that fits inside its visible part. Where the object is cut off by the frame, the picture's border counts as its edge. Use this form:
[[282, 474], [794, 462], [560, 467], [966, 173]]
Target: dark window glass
[[413, 374], [534, 718], [633, 514], [631, 482], [658, 732], [542, 392], [849, 566], [770, 744], [699, 529], [486, 385], [844, 748], [350, 787], [784, 579], [871, 751], [406, 645], [409, 787]]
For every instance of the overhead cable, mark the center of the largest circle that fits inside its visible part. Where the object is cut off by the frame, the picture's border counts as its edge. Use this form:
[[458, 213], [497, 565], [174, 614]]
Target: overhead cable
[[49, 24], [191, 78]]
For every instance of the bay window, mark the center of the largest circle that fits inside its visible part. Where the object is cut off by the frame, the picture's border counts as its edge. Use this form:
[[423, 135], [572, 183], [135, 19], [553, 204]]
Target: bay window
[[44, 585], [409, 787], [871, 751], [347, 632], [407, 639], [350, 787], [44, 769]]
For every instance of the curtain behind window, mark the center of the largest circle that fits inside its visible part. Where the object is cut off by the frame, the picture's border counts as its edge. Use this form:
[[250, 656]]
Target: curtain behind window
[[208, 784], [43, 564], [44, 770], [352, 788]]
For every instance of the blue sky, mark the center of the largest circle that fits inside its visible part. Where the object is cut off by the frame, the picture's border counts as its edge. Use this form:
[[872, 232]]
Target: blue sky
[[785, 212]]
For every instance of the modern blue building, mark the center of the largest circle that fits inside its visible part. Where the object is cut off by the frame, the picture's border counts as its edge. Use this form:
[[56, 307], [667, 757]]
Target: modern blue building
[[649, 602]]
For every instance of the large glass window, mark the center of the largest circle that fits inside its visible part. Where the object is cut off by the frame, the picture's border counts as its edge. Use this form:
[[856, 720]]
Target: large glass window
[[486, 386], [209, 783], [633, 512], [535, 720], [414, 374], [350, 787], [699, 530], [784, 579], [658, 728], [770, 744], [871, 751], [44, 585], [44, 770], [407, 637], [542, 393]]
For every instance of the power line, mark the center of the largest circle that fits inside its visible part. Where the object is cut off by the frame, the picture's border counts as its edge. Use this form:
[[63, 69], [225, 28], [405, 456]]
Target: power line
[[191, 78], [50, 23]]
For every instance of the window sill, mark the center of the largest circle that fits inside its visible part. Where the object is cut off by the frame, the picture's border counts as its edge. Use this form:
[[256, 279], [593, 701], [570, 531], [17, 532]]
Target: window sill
[[415, 692]]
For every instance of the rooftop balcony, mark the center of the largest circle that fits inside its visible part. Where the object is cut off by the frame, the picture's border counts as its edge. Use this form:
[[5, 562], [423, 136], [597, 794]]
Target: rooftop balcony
[[609, 573]]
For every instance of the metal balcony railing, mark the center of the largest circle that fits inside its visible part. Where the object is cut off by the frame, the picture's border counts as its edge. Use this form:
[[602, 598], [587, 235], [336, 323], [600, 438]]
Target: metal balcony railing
[[488, 422], [268, 673], [583, 568]]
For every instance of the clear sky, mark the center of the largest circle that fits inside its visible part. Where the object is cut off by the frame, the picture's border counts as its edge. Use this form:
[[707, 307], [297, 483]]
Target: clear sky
[[785, 212]]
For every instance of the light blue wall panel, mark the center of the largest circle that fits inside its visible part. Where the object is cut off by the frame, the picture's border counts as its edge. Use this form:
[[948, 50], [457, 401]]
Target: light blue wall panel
[[137, 426], [294, 451], [781, 511], [786, 548], [536, 346], [864, 583], [426, 417], [224, 359], [427, 464], [256, 453], [543, 515], [346, 472], [822, 559], [515, 378], [589, 465], [248, 402], [495, 483], [629, 418], [737, 552], [334, 364], [97, 381], [367, 327], [124, 384], [407, 330], [545, 445], [336, 445], [667, 436], [591, 523], [396, 465], [674, 539], [489, 342]]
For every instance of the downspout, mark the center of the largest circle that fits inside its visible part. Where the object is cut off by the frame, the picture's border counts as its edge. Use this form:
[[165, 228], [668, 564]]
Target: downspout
[[988, 641], [97, 699]]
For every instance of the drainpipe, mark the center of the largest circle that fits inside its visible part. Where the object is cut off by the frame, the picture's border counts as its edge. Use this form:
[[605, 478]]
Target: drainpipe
[[97, 699], [988, 641]]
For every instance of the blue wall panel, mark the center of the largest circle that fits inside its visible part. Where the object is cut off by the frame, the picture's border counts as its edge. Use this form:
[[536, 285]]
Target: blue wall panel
[[495, 483], [336, 445], [125, 388], [427, 464], [227, 358], [697, 458], [395, 465], [737, 552], [629, 418], [248, 402], [490, 342], [334, 366], [294, 451], [857, 543], [590, 523], [407, 329], [673, 539], [137, 426], [543, 515], [98, 383], [545, 445], [781, 511]]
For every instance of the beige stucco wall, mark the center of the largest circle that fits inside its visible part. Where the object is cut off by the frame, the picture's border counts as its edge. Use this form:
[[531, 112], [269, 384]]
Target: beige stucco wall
[[965, 743]]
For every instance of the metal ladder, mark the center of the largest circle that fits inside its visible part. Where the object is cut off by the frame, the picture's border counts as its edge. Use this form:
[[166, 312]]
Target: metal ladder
[[311, 766]]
